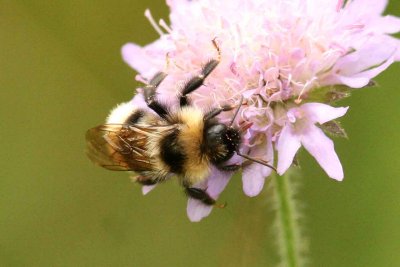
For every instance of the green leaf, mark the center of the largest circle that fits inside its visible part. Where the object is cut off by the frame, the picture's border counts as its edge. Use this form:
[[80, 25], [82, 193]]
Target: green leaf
[[334, 128]]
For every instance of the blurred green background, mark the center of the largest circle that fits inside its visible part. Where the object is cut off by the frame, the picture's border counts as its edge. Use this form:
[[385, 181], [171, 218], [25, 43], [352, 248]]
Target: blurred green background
[[60, 73]]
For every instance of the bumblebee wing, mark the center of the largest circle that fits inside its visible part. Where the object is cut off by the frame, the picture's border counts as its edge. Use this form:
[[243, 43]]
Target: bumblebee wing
[[120, 147]]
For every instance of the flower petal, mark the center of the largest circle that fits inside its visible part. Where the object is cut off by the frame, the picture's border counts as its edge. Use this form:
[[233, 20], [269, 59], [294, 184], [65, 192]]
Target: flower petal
[[363, 78], [147, 188], [356, 69], [321, 113], [287, 146], [322, 149], [253, 179], [149, 59], [387, 24], [369, 7], [138, 102], [323, 6], [352, 81], [196, 210], [372, 53], [216, 183], [254, 175], [135, 57]]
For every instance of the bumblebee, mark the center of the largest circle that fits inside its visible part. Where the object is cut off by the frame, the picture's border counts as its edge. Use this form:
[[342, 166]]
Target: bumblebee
[[158, 142]]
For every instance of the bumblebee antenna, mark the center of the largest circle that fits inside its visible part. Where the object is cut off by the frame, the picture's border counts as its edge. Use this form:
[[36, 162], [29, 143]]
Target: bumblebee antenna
[[262, 162], [237, 111]]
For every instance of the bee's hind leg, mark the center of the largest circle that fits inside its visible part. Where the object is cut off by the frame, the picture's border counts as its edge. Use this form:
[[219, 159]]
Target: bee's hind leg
[[201, 195], [144, 180]]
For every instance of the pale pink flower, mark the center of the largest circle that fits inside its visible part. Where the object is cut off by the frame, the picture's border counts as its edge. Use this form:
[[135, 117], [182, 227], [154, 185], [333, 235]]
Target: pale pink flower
[[279, 55], [253, 176], [300, 129]]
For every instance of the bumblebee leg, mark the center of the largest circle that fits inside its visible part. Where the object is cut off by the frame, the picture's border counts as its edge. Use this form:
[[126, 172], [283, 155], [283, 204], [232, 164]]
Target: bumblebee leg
[[200, 194], [147, 182], [144, 180], [149, 93], [229, 168], [197, 81], [216, 111]]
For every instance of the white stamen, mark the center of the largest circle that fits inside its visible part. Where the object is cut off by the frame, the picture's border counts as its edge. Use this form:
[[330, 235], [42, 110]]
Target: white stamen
[[148, 15], [289, 79], [306, 85], [165, 26]]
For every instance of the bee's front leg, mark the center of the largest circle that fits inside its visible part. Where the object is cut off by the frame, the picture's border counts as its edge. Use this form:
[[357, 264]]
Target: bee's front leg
[[229, 168]]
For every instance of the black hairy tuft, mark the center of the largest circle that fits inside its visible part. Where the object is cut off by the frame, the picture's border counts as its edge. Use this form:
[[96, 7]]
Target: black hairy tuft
[[135, 117], [172, 152]]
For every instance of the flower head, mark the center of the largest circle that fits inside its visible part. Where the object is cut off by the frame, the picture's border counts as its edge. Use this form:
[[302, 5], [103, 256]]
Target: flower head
[[288, 59]]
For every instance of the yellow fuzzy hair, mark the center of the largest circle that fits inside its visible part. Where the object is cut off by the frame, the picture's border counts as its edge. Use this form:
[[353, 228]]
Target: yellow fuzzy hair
[[196, 166]]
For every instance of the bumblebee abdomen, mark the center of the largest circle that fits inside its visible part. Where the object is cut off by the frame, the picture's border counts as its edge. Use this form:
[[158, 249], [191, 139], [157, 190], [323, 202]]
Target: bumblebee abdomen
[[172, 152]]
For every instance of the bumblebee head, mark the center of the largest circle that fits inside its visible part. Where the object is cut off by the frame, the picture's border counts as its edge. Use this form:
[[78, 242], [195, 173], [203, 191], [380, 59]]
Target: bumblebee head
[[221, 142]]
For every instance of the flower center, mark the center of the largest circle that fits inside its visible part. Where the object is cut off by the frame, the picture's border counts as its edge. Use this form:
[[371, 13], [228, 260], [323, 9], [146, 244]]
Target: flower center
[[298, 120]]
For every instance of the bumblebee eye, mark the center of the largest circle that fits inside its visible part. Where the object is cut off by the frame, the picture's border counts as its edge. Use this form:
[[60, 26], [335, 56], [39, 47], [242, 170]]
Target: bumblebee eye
[[214, 135], [221, 142]]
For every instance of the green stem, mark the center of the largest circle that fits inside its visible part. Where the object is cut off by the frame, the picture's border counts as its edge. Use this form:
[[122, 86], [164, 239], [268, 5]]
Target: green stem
[[287, 221]]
